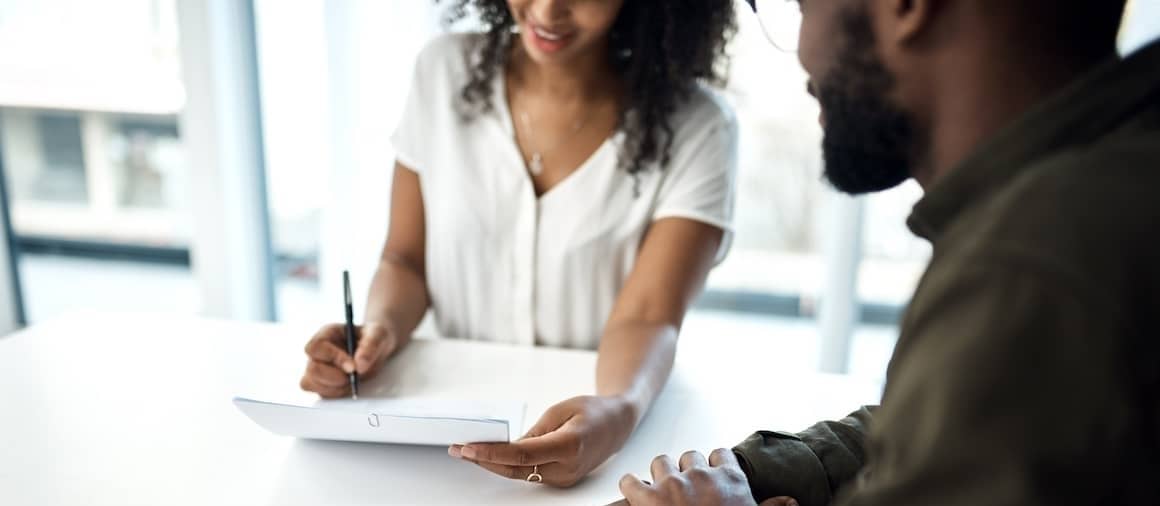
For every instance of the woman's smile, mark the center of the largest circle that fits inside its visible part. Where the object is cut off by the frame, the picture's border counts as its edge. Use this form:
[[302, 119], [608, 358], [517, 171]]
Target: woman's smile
[[549, 40]]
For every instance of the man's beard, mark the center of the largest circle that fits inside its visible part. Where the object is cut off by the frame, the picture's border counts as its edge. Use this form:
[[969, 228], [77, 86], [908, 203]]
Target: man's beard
[[870, 143]]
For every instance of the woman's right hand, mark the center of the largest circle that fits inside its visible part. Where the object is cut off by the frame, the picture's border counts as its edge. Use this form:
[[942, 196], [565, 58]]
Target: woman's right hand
[[329, 364]]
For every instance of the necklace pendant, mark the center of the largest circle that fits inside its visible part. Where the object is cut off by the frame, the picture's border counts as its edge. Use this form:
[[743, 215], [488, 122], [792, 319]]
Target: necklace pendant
[[537, 164]]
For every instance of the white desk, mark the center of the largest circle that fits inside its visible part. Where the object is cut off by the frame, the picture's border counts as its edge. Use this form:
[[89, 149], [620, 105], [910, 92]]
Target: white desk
[[135, 409]]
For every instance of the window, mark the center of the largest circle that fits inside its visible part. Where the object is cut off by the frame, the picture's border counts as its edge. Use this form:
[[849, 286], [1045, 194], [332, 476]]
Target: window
[[777, 264], [92, 151]]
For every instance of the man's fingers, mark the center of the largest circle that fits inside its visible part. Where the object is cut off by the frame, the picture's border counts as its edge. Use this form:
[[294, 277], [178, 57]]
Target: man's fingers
[[326, 374], [323, 349], [663, 466], [691, 459], [723, 457], [780, 501], [636, 491], [525, 452]]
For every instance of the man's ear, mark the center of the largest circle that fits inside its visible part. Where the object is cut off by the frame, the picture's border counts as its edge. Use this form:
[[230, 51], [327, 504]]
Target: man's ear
[[905, 20]]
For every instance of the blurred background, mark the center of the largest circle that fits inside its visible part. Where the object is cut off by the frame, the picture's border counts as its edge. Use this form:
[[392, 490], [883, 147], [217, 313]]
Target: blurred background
[[129, 187]]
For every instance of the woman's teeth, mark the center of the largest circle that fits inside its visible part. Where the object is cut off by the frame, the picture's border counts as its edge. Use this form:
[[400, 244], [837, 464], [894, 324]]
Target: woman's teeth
[[546, 34]]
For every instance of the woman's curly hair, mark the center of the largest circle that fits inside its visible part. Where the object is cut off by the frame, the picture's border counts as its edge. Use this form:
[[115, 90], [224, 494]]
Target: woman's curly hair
[[660, 49]]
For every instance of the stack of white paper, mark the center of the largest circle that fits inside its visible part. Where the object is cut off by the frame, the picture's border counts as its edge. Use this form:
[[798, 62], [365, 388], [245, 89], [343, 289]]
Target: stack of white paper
[[403, 421]]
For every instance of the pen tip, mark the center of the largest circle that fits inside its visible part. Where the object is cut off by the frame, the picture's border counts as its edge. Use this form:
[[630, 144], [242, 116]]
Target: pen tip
[[354, 397]]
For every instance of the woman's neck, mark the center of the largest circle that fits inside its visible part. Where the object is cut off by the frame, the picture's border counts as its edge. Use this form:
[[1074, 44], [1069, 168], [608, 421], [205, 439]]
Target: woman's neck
[[586, 78]]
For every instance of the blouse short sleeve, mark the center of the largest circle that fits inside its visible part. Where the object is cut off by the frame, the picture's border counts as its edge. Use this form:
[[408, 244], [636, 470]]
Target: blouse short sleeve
[[700, 184], [432, 85]]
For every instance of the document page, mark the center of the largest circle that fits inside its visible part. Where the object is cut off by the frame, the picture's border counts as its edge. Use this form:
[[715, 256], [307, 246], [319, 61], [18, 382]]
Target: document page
[[414, 421]]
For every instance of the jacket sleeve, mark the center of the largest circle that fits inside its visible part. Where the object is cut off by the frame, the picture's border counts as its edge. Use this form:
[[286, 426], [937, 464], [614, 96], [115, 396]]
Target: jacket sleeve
[[1018, 385], [809, 466]]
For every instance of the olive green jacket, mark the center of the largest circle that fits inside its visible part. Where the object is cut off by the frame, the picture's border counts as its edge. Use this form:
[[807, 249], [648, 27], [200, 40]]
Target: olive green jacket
[[1028, 368]]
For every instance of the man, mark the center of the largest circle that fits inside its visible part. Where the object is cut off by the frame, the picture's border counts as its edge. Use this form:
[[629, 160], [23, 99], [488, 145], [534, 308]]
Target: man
[[1027, 369]]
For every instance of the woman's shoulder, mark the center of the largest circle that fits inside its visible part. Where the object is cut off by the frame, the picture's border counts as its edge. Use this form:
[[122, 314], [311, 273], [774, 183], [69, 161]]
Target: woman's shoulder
[[448, 57]]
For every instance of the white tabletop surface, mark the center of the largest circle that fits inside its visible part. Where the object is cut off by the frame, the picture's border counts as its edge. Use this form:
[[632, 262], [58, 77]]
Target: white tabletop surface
[[125, 409]]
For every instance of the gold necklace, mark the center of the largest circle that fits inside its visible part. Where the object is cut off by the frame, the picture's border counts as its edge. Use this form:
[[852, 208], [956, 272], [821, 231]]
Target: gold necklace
[[536, 164]]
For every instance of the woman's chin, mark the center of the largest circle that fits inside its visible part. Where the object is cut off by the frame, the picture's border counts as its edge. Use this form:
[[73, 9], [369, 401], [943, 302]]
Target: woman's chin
[[549, 52]]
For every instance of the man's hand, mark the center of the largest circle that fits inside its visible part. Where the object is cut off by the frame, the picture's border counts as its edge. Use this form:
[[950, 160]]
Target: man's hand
[[568, 442], [718, 481]]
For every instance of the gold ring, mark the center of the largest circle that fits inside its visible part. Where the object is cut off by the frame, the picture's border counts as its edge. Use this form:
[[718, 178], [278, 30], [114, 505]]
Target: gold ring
[[535, 477]]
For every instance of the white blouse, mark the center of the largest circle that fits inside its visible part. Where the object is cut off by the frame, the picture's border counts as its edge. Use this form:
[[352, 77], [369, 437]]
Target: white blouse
[[503, 265]]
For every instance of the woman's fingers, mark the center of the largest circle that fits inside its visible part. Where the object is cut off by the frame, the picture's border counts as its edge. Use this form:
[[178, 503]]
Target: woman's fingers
[[554, 418], [375, 344], [323, 347], [551, 444], [544, 443], [326, 374], [510, 472], [532, 451], [550, 474]]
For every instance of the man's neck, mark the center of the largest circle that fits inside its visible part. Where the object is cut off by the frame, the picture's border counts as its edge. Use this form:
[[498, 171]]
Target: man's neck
[[980, 97]]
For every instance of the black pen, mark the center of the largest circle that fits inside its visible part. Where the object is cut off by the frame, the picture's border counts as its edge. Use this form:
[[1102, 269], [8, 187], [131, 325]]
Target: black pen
[[351, 338]]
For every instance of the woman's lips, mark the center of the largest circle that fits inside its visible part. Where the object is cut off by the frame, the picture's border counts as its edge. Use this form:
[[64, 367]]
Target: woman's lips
[[549, 41]]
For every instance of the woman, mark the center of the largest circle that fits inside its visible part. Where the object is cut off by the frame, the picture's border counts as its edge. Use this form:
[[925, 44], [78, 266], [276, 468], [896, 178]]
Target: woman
[[562, 179]]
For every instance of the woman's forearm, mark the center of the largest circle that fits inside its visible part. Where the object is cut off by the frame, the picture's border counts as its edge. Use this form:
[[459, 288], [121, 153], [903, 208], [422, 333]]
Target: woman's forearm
[[640, 339], [633, 363], [398, 296]]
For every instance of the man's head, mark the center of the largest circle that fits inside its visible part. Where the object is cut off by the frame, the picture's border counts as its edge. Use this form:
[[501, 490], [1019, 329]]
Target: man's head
[[885, 70]]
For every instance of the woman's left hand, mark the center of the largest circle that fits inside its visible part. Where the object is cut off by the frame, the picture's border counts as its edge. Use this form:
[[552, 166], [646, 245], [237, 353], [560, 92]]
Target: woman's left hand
[[569, 441]]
